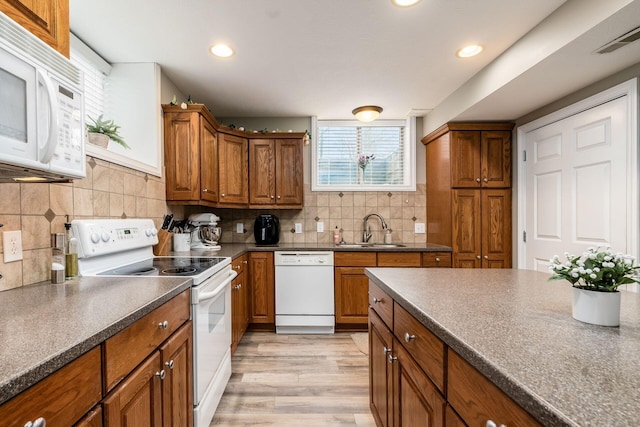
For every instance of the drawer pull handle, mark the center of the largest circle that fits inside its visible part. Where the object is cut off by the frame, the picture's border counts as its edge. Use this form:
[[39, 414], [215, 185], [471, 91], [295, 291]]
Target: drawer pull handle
[[386, 350], [392, 358], [40, 422], [409, 337], [237, 267], [437, 259], [376, 300], [161, 374], [169, 364], [163, 325], [244, 262]]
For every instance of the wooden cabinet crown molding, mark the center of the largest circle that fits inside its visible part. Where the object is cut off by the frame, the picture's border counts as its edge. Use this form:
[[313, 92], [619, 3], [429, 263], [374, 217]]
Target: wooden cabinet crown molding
[[453, 126]]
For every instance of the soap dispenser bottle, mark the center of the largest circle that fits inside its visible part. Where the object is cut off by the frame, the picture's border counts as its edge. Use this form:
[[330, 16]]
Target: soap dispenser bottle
[[71, 255]]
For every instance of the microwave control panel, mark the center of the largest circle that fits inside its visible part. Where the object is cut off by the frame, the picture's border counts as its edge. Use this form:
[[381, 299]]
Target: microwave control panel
[[69, 155]]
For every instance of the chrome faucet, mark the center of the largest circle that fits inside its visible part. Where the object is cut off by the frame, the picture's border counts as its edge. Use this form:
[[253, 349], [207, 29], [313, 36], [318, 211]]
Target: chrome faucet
[[366, 228]]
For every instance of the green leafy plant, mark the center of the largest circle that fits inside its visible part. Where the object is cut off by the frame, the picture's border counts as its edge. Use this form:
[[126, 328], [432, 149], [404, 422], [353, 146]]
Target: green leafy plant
[[106, 127], [597, 269]]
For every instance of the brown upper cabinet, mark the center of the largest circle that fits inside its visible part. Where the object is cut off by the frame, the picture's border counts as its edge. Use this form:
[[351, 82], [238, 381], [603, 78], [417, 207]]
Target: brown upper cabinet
[[275, 171], [469, 192], [46, 19], [208, 164]]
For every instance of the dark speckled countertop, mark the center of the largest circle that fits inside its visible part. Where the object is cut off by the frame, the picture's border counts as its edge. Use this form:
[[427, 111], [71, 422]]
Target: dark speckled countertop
[[516, 328], [43, 327]]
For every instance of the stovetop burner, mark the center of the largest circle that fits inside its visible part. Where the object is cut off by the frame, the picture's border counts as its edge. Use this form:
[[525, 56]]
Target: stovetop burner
[[165, 266]]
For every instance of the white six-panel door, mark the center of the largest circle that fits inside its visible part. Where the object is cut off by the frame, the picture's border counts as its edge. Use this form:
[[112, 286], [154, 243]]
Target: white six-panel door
[[579, 188]]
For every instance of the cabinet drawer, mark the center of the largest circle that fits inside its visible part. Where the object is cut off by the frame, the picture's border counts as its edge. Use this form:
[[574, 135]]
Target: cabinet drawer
[[436, 259], [381, 303], [239, 264], [125, 350], [477, 400], [399, 259], [354, 259], [426, 348], [62, 398]]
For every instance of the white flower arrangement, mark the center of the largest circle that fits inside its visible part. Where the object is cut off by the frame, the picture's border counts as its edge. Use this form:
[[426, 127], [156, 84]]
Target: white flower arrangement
[[597, 269]]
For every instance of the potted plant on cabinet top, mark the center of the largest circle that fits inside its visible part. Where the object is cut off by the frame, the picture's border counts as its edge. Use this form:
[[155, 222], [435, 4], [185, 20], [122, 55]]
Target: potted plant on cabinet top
[[101, 131], [595, 276]]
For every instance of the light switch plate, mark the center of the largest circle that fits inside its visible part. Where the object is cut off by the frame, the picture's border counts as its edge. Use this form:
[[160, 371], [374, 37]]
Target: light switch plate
[[12, 245], [239, 228], [419, 228], [320, 227], [298, 227]]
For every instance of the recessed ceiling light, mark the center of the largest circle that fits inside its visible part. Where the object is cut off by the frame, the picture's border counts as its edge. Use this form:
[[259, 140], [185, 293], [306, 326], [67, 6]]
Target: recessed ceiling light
[[221, 50], [469, 51], [405, 3]]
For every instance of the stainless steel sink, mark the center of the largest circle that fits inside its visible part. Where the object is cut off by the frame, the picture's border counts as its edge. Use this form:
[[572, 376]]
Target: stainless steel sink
[[388, 245]]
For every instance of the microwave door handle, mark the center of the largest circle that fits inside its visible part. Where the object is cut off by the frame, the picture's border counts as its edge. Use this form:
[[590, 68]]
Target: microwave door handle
[[208, 295], [46, 150]]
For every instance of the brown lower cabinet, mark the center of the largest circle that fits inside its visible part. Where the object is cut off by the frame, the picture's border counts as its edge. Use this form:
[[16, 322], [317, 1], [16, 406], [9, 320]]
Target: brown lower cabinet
[[351, 285], [239, 300], [408, 365], [142, 376], [262, 295]]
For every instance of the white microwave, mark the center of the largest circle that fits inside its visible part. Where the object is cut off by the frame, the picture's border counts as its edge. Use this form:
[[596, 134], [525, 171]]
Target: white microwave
[[41, 110]]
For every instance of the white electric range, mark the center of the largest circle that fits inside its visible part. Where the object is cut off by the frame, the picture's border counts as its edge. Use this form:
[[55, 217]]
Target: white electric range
[[124, 248]]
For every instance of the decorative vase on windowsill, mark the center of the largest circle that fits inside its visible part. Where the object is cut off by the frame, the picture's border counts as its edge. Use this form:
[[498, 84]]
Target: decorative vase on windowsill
[[595, 276], [100, 131]]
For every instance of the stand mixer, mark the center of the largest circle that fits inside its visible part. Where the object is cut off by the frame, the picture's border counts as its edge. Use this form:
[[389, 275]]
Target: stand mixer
[[206, 233]]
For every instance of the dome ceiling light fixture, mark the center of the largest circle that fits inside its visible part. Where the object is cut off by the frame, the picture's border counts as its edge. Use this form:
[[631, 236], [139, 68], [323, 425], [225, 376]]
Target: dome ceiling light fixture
[[405, 3], [221, 50], [469, 51], [367, 113]]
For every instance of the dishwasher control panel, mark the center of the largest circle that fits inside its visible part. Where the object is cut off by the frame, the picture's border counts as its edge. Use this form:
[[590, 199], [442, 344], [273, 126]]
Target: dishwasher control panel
[[303, 258]]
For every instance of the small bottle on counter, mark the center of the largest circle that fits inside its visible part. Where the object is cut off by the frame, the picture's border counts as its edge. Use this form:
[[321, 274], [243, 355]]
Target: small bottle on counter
[[387, 236], [336, 236], [57, 258], [71, 255]]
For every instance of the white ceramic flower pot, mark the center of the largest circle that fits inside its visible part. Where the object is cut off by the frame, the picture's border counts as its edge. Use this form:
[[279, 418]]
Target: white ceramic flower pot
[[597, 308], [99, 139]]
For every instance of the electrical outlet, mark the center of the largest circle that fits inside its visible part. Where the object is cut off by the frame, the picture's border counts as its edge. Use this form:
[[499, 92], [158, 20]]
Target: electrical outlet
[[320, 227], [419, 228], [12, 245], [239, 228], [298, 227]]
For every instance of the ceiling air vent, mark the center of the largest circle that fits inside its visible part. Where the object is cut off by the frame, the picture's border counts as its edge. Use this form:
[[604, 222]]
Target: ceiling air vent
[[621, 41]]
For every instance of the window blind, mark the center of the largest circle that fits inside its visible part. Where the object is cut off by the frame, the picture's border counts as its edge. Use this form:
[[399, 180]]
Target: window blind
[[380, 148], [95, 71]]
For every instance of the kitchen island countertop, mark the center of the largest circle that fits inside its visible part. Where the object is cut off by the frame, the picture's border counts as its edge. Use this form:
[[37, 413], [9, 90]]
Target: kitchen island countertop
[[516, 328], [43, 327]]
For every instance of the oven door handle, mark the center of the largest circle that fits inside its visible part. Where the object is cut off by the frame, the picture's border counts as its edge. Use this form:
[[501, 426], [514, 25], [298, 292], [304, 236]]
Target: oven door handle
[[208, 295]]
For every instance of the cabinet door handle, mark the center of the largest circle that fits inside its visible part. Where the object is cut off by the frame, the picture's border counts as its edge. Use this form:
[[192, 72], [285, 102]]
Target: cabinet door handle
[[278, 197], [244, 262], [409, 337], [237, 267], [486, 257], [491, 423], [437, 259], [386, 350], [485, 180], [478, 256], [206, 190], [392, 358], [376, 300], [477, 179], [169, 364], [161, 374], [163, 325], [222, 195], [273, 197]]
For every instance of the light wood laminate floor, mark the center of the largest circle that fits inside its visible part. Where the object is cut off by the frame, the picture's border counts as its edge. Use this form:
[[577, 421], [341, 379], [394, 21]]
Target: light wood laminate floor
[[296, 380]]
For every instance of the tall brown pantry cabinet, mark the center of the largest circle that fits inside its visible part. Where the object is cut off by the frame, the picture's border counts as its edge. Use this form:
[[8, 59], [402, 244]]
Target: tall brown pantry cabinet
[[469, 192]]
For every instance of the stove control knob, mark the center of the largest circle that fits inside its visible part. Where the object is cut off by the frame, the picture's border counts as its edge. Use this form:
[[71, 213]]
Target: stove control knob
[[148, 232], [95, 237], [151, 232], [105, 236]]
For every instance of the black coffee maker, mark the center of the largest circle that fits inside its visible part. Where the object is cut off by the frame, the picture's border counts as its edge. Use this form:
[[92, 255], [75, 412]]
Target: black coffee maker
[[266, 229]]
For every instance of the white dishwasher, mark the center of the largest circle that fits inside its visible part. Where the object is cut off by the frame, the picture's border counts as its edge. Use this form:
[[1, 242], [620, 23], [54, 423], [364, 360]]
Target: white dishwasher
[[304, 292]]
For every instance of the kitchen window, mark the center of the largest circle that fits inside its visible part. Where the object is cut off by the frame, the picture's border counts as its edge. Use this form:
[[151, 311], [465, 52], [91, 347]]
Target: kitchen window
[[356, 156], [95, 70]]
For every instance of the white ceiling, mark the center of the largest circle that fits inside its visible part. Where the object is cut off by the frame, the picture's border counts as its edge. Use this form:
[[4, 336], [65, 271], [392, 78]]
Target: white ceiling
[[326, 57]]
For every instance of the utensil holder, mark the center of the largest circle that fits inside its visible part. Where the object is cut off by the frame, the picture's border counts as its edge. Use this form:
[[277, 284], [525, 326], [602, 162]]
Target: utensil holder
[[164, 240]]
